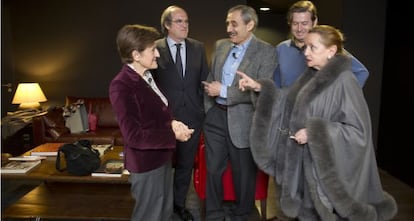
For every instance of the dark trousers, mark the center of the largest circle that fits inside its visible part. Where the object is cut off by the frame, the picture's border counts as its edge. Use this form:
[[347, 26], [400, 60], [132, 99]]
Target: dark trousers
[[152, 192], [220, 149], [184, 163]]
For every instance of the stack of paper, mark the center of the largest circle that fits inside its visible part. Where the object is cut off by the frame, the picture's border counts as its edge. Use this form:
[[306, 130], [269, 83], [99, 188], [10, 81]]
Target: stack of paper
[[19, 166]]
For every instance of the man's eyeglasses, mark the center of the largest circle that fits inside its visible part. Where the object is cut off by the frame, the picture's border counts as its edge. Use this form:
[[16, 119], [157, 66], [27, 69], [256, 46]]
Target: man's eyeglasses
[[180, 21]]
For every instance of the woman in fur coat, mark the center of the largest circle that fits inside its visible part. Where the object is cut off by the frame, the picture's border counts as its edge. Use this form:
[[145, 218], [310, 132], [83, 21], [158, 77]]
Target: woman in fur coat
[[315, 138]]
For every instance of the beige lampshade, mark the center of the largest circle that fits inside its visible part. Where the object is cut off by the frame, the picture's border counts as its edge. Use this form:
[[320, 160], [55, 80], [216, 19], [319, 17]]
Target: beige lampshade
[[28, 95]]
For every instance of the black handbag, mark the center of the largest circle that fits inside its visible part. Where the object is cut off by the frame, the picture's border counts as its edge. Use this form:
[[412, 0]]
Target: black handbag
[[81, 159]]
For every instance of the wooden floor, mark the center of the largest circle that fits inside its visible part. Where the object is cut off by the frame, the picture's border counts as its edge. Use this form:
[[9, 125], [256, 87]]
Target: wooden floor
[[404, 195]]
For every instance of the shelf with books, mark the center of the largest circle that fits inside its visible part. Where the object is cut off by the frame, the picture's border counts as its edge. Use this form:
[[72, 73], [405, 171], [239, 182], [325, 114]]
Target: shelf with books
[[19, 142]]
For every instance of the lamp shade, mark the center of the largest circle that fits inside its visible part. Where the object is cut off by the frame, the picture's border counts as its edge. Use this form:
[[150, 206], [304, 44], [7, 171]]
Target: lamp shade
[[28, 95]]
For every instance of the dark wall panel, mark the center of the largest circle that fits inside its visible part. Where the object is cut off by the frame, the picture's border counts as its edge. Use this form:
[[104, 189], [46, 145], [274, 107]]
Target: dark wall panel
[[68, 46], [395, 141]]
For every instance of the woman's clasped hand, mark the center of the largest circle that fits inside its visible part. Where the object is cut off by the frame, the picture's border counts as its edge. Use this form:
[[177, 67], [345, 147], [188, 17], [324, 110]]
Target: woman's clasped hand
[[181, 131]]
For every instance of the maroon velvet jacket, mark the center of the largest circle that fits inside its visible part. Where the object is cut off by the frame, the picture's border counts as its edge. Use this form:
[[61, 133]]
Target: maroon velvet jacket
[[144, 120]]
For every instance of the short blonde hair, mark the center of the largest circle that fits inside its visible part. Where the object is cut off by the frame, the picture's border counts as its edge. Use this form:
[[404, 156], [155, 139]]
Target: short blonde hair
[[330, 36]]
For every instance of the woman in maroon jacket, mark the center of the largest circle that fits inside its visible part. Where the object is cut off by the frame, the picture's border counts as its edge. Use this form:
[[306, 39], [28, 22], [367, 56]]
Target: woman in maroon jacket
[[146, 124]]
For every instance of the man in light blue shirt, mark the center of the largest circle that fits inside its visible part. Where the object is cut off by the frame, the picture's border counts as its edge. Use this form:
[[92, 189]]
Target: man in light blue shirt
[[302, 16], [230, 68], [229, 113]]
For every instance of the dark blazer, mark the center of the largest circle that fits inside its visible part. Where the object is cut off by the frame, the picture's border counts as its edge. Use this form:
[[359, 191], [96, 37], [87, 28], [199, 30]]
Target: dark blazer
[[144, 120], [184, 94], [259, 61]]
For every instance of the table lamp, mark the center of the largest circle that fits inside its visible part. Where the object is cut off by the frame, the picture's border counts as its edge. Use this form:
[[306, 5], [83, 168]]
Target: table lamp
[[28, 95]]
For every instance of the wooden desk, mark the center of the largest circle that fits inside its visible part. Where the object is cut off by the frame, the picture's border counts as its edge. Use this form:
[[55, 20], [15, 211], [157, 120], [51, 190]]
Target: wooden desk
[[64, 196], [47, 172], [97, 201]]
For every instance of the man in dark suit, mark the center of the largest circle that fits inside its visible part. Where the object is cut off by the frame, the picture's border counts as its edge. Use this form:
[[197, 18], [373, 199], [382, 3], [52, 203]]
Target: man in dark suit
[[229, 112], [179, 76]]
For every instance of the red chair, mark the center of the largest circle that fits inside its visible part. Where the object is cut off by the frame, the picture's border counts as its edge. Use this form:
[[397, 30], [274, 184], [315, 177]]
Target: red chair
[[199, 179]]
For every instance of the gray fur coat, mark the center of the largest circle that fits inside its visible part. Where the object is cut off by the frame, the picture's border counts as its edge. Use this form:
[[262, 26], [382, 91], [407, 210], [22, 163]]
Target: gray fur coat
[[336, 170]]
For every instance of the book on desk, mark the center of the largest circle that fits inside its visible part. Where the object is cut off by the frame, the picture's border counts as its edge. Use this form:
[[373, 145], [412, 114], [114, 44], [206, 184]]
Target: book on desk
[[51, 149], [46, 149], [19, 166], [110, 168]]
